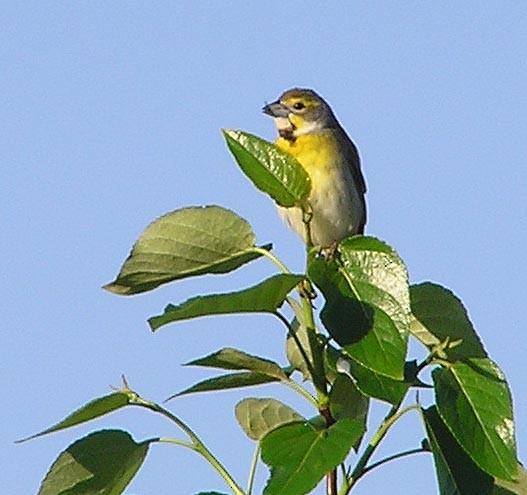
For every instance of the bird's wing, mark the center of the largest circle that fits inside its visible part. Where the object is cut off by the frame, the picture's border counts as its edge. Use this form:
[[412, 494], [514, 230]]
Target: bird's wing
[[352, 158]]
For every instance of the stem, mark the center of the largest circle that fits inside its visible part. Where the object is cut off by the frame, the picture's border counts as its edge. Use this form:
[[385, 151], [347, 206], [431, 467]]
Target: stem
[[319, 375], [302, 391], [177, 441], [406, 453], [388, 421], [301, 349], [272, 257], [197, 445], [252, 471]]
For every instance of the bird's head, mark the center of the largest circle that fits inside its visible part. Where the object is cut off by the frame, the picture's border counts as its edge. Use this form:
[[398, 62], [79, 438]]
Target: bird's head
[[300, 111]]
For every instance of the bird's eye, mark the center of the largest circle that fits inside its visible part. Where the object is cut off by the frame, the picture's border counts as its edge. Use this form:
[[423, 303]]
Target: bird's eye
[[299, 105]]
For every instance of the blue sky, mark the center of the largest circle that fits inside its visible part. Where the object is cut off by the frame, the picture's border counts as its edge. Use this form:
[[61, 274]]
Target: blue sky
[[111, 116]]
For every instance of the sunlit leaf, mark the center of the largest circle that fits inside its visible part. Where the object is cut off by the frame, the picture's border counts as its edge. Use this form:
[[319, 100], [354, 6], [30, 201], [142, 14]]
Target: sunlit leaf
[[91, 410], [474, 401], [185, 243], [257, 417], [233, 359], [300, 454], [103, 463], [379, 277], [266, 297], [440, 315], [226, 382], [270, 169], [364, 330]]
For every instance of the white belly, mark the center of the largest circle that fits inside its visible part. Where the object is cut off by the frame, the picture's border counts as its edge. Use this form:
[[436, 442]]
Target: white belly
[[336, 205]]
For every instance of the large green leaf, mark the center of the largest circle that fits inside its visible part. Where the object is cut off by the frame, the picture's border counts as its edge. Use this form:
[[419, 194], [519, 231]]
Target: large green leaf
[[103, 463], [300, 454], [185, 243], [371, 384], [266, 297], [474, 401], [346, 400], [456, 472], [226, 382], [93, 409], [233, 359], [440, 315], [379, 277], [270, 169], [363, 329], [257, 417]]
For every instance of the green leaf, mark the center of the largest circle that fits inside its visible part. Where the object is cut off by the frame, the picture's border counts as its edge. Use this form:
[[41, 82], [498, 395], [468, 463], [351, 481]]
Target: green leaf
[[294, 355], [364, 330], [456, 472], [103, 463], [257, 417], [346, 401], [185, 243], [91, 410], [440, 315], [228, 381], [379, 277], [233, 359], [474, 401], [266, 297], [270, 169], [378, 386], [300, 454]]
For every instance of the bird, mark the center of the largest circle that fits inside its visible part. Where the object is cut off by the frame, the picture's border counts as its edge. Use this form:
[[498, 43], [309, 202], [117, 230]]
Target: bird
[[309, 131]]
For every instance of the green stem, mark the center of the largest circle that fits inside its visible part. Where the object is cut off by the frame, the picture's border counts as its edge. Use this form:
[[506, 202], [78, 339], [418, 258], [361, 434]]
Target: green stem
[[197, 444], [406, 453], [177, 441], [302, 391], [319, 375], [272, 257], [301, 349], [252, 471], [388, 421]]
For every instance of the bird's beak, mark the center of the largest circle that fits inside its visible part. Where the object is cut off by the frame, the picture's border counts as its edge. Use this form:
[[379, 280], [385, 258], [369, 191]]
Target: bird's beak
[[276, 109]]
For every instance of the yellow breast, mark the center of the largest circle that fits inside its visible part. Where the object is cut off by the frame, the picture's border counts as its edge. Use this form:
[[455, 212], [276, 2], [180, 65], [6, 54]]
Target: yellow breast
[[334, 199]]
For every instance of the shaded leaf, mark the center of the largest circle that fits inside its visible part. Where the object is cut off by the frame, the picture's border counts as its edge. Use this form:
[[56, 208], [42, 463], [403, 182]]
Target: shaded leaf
[[456, 472], [233, 359], [379, 277], [228, 381], [300, 454], [257, 417], [265, 297], [91, 410], [474, 401], [103, 463], [270, 169], [185, 243], [364, 330], [346, 401], [293, 353], [440, 315]]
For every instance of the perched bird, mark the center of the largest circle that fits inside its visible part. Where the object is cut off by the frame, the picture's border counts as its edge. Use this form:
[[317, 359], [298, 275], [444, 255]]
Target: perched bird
[[309, 131]]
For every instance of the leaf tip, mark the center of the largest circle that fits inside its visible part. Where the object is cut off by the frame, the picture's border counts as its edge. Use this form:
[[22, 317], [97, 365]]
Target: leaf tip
[[116, 288]]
